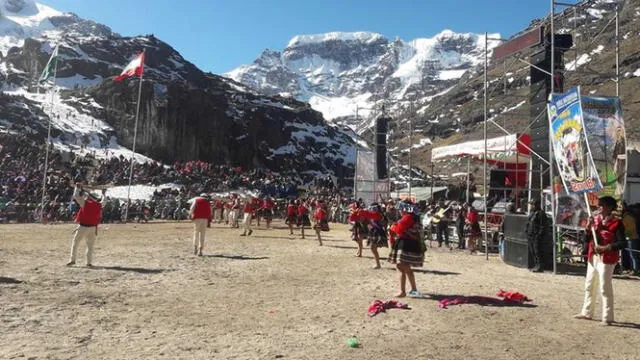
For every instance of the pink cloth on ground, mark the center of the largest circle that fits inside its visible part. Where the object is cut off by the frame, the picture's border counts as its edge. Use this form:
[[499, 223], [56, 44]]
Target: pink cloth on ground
[[378, 306]]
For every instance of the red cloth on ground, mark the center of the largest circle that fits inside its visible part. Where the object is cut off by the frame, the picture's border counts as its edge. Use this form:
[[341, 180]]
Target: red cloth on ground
[[378, 306], [513, 296]]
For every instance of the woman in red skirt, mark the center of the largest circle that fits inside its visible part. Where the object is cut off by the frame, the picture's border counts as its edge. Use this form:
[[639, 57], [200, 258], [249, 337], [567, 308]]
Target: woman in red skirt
[[408, 248]]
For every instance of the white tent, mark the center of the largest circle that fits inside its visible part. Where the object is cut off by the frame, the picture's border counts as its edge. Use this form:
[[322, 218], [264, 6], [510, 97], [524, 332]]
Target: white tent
[[512, 149]]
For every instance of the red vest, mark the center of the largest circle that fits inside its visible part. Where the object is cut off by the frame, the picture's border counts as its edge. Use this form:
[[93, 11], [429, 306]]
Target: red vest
[[606, 235], [354, 216], [248, 207], [268, 204], [320, 214], [302, 210], [202, 209], [90, 213], [291, 210]]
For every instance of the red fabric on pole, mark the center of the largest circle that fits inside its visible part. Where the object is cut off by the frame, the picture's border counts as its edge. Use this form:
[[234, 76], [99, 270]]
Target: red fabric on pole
[[135, 67]]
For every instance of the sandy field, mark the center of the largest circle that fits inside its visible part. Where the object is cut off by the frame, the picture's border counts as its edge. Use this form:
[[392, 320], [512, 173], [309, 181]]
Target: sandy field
[[272, 295]]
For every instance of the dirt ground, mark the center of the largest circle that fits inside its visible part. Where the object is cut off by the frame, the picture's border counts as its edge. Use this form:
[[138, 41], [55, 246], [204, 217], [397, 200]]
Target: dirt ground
[[273, 295]]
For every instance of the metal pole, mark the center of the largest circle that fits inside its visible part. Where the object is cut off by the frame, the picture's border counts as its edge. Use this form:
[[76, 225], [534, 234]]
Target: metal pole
[[46, 154], [617, 51], [432, 180], [410, 146], [551, 181], [135, 136], [468, 175], [355, 177], [486, 197]]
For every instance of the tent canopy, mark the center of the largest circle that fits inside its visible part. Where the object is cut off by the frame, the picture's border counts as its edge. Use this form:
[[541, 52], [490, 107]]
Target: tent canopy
[[509, 149]]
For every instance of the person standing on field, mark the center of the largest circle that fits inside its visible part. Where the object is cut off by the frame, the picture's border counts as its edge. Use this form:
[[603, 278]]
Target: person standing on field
[[200, 214], [88, 218], [603, 255]]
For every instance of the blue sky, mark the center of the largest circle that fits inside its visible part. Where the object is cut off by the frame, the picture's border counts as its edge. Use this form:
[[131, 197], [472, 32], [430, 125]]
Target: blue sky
[[219, 35]]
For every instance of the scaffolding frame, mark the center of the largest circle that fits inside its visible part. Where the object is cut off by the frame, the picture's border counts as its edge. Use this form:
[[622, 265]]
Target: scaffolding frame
[[550, 19]]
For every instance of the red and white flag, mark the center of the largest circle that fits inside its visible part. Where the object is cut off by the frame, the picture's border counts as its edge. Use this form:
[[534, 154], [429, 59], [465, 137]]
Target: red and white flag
[[134, 68]]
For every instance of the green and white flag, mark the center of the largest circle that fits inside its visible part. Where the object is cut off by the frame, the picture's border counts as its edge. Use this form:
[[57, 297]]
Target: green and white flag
[[49, 68]]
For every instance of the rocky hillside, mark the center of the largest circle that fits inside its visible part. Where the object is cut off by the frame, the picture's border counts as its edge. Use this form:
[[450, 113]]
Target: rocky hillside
[[185, 113], [457, 115]]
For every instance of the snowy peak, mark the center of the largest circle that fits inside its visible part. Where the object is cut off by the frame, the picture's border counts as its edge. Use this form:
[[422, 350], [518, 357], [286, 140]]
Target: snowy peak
[[22, 19], [18, 7], [359, 36], [339, 72]]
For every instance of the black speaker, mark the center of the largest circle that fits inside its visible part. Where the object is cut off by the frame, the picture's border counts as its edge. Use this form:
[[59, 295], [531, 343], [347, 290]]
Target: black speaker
[[540, 89], [561, 42], [382, 125], [516, 246]]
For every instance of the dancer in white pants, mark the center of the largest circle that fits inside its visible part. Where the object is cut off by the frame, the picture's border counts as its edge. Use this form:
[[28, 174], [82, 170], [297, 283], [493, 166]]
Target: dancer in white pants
[[88, 218], [200, 213], [602, 259]]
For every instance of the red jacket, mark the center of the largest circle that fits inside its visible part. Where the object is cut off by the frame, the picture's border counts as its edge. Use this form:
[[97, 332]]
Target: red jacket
[[607, 234], [90, 213], [202, 209]]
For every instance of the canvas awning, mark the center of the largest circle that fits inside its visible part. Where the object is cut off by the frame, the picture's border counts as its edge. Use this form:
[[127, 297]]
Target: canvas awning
[[509, 149]]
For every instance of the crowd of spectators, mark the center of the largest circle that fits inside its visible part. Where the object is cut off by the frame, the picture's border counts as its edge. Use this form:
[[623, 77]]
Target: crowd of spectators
[[21, 179]]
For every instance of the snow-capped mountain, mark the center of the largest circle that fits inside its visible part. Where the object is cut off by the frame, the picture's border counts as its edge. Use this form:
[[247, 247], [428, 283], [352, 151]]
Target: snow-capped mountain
[[340, 72], [185, 113]]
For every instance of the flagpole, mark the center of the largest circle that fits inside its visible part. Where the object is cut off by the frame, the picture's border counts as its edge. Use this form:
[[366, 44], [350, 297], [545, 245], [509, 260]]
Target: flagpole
[[135, 135], [46, 154]]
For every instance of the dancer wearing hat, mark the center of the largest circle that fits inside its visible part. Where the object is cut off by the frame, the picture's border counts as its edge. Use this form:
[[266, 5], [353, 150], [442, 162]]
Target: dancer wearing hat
[[359, 228], [88, 218], [377, 231], [408, 248], [200, 214]]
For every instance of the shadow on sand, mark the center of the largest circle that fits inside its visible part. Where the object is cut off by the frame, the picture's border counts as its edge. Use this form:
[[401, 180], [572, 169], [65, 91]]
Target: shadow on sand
[[427, 271], [130, 269], [478, 300], [628, 325], [342, 246], [9, 280], [236, 257]]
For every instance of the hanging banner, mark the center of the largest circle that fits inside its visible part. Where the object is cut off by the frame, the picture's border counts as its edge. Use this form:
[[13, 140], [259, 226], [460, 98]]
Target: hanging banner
[[604, 126], [570, 145]]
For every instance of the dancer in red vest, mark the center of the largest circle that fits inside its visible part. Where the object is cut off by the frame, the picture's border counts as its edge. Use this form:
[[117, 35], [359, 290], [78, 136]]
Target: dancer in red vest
[[200, 213], [292, 215], [218, 206], [267, 210], [408, 247], [321, 218], [88, 218], [602, 260], [303, 217], [249, 210]]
